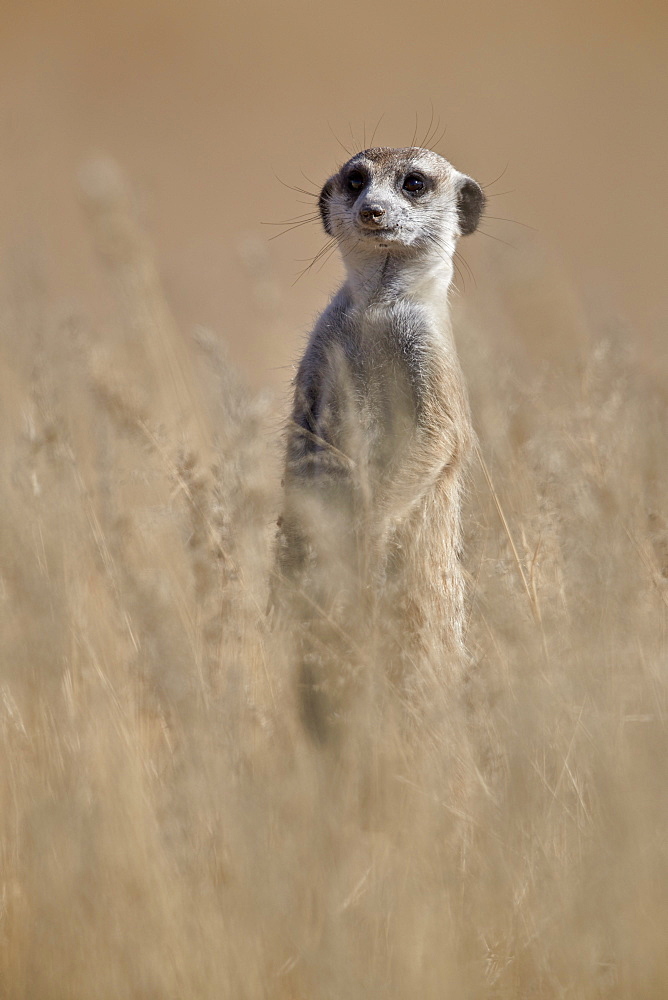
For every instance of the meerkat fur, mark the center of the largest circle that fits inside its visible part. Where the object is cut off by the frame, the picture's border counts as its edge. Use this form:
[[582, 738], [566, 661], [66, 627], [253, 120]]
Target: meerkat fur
[[370, 537]]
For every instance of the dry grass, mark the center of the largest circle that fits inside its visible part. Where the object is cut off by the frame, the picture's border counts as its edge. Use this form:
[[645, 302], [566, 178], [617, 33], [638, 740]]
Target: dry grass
[[168, 831]]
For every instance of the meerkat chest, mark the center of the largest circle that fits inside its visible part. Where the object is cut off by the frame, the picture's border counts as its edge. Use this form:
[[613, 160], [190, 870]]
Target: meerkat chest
[[387, 351], [376, 377]]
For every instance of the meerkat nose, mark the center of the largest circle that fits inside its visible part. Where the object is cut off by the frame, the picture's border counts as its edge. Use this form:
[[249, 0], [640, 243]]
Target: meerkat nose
[[372, 213]]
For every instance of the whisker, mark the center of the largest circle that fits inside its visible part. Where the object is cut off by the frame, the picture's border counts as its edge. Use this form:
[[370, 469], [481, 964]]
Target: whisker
[[341, 144], [415, 131], [287, 222], [327, 245], [497, 238], [310, 194], [431, 122], [326, 258], [307, 178], [456, 256], [297, 225], [373, 134], [430, 138], [459, 275], [485, 186], [437, 142], [444, 255], [498, 218], [344, 250], [299, 190], [468, 267], [323, 250], [500, 194]]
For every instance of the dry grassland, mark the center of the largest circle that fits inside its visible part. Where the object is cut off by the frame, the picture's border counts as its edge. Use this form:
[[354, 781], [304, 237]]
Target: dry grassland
[[167, 831]]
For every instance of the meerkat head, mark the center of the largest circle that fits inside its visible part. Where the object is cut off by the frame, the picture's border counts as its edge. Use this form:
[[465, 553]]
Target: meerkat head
[[401, 200]]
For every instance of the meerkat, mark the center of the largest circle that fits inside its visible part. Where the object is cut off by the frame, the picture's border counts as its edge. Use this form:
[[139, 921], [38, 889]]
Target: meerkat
[[370, 537]]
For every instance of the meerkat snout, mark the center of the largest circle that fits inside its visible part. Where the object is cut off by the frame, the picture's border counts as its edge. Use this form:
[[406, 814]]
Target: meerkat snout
[[372, 215]]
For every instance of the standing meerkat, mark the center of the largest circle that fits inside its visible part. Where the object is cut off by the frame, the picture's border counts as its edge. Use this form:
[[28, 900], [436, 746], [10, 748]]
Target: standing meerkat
[[370, 536]]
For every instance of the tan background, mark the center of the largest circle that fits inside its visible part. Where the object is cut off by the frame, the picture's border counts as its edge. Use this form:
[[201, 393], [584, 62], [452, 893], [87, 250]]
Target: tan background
[[205, 104]]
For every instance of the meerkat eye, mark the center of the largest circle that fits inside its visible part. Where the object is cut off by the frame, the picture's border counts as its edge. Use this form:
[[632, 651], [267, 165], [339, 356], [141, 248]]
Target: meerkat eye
[[413, 183], [355, 180]]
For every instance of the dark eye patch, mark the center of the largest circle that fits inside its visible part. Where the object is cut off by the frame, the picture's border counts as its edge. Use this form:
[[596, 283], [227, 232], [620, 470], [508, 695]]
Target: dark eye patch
[[414, 183], [355, 181]]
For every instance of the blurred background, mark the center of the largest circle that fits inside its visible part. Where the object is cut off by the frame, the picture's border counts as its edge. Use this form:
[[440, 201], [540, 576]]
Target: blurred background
[[166, 829], [211, 108]]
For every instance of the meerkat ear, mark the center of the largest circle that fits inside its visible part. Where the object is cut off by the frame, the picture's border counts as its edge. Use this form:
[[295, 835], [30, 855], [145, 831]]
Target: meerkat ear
[[323, 205], [470, 204]]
